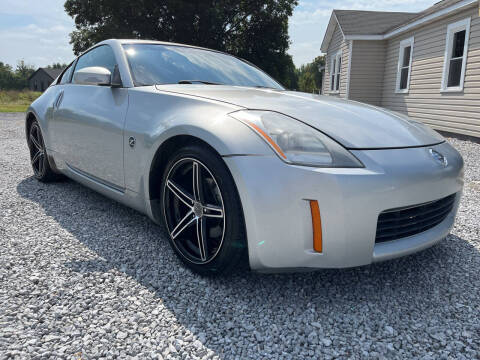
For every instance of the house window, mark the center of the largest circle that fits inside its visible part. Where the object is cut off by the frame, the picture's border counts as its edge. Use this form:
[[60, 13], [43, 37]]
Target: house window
[[335, 72], [404, 65], [456, 48]]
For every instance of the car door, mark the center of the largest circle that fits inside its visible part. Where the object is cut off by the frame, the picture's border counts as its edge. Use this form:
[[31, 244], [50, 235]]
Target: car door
[[89, 122]]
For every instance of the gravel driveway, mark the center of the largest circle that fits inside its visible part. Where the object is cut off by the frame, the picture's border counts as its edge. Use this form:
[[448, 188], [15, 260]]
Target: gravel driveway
[[83, 277]]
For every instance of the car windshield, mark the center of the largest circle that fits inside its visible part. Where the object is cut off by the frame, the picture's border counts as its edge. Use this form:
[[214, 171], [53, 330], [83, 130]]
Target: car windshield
[[152, 64]]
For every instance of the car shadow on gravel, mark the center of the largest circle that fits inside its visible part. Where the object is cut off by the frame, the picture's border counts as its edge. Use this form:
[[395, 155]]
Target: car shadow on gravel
[[255, 306]]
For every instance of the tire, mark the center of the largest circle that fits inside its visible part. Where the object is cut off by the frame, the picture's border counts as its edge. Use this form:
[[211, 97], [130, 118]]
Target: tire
[[42, 170], [195, 211]]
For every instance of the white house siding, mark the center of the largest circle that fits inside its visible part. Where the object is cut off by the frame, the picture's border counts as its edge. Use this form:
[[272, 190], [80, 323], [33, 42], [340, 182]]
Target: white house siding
[[454, 112], [367, 71], [336, 44]]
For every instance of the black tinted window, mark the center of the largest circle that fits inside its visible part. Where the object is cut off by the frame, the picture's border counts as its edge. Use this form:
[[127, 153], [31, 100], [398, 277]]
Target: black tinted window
[[66, 75], [168, 64], [101, 56]]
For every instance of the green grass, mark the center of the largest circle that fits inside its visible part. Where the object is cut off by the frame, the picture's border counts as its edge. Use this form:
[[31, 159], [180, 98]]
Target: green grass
[[16, 101], [13, 108]]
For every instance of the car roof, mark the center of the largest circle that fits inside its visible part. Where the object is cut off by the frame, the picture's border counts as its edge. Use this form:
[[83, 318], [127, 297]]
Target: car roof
[[137, 41]]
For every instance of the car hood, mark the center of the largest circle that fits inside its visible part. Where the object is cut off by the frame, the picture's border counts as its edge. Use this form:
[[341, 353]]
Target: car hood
[[354, 125]]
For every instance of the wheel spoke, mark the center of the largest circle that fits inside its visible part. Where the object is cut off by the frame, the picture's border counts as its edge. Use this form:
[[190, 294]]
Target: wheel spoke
[[197, 182], [37, 157], [183, 224], [35, 142], [202, 238], [181, 194], [41, 164], [213, 211], [205, 211]]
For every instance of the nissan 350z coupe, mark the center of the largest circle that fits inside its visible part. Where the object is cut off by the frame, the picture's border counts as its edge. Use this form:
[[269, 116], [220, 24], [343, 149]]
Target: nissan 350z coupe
[[237, 168]]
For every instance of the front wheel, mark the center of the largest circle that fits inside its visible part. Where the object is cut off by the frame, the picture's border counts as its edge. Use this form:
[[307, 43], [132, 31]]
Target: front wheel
[[202, 211], [38, 155]]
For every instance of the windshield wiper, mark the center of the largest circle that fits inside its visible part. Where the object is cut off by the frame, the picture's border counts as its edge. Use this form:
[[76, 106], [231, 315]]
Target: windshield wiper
[[198, 81]]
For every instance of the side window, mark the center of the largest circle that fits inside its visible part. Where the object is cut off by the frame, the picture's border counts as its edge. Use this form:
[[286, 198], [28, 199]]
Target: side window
[[333, 69], [456, 49], [66, 75], [100, 56], [335, 72], [404, 68]]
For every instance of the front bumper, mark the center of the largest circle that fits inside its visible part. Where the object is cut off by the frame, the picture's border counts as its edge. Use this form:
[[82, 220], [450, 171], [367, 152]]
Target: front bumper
[[277, 214]]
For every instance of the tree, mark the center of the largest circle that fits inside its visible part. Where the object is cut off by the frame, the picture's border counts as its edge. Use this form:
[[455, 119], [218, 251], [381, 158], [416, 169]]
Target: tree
[[15, 80], [254, 30], [22, 73], [6, 76], [309, 75], [57, 66], [306, 82]]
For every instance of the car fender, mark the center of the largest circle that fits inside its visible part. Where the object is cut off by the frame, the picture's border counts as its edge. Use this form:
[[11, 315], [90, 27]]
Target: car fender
[[154, 117], [42, 109], [225, 143]]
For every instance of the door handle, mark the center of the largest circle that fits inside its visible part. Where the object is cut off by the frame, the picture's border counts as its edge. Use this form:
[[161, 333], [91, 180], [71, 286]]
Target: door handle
[[58, 100]]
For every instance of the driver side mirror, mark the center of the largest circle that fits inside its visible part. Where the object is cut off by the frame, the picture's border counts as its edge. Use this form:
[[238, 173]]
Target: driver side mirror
[[97, 75], [94, 75]]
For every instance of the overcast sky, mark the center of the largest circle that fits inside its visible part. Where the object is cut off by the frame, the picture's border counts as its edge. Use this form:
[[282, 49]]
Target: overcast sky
[[37, 31]]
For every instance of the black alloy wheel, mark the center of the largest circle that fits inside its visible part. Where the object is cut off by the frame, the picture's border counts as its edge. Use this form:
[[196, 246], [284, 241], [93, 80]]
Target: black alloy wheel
[[37, 151], [202, 211], [38, 155]]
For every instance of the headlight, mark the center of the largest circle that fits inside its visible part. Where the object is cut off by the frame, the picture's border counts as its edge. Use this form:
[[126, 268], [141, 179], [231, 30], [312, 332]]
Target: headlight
[[295, 142]]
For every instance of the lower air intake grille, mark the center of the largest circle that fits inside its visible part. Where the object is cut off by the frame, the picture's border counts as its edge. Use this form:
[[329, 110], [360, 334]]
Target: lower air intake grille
[[407, 221]]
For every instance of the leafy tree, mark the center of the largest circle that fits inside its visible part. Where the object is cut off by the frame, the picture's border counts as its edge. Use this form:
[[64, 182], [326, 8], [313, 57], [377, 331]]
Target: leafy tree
[[254, 30], [15, 79], [6, 76], [22, 73], [57, 66], [309, 75], [306, 82]]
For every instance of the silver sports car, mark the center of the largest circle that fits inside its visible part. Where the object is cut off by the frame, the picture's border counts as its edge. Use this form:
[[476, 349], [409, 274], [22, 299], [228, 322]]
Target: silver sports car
[[238, 169]]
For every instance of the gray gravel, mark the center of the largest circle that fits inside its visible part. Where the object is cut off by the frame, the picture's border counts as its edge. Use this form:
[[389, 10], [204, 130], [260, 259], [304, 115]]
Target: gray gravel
[[84, 277]]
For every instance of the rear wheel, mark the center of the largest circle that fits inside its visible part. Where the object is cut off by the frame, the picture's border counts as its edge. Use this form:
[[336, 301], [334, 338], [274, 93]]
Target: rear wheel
[[38, 155], [202, 211]]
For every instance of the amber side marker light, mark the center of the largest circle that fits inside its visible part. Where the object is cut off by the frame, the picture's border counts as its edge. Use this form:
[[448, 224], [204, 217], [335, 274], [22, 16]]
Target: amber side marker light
[[317, 226]]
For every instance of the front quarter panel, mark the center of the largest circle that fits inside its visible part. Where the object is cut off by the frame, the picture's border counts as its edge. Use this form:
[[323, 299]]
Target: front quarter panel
[[42, 109], [154, 117]]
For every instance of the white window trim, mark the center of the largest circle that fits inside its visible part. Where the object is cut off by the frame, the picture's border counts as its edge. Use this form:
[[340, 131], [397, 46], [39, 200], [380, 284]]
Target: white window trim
[[349, 70], [451, 30], [404, 44], [336, 71]]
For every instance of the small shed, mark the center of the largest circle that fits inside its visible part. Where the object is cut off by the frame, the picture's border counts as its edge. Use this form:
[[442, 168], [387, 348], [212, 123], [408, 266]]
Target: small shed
[[41, 79]]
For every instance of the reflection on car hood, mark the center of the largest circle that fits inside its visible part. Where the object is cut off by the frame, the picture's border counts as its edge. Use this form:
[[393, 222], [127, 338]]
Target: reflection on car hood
[[354, 125]]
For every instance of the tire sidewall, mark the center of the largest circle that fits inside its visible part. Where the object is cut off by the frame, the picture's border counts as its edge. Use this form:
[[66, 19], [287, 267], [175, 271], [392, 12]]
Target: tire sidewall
[[48, 174], [37, 125], [234, 223]]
